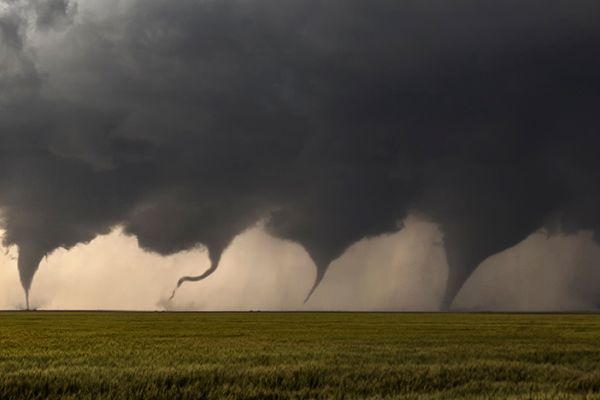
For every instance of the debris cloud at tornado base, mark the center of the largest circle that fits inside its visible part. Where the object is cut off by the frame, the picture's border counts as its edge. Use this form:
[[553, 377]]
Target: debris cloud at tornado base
[[189, 122]]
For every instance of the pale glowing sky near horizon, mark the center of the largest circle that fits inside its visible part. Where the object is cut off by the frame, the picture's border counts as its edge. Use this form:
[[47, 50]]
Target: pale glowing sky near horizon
[[404, 272]]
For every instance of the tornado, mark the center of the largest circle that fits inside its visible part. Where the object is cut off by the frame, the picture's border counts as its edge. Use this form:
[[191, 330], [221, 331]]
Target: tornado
[[214, 263], [318, 279], [29, 259]]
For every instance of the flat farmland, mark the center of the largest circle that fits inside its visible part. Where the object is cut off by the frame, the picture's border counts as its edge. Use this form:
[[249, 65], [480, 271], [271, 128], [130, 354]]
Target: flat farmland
[[115, 355]]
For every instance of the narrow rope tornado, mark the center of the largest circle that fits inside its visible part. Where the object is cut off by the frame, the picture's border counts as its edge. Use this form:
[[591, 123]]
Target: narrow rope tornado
[[214, 263]]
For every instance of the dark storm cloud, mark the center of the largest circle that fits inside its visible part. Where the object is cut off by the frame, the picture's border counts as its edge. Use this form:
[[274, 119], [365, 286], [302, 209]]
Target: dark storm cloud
[[53, 13], [188, 122]]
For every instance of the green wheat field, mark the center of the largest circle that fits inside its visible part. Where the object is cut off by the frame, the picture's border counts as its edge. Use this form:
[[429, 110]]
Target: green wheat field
[[110, 355]]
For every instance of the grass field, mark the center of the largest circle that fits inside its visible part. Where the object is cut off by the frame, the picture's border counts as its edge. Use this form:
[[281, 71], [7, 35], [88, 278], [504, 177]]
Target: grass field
[[298, 355]]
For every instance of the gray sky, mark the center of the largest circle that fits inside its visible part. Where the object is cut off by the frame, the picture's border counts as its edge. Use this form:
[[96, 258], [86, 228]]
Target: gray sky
[[187, 124], [400, 272]]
